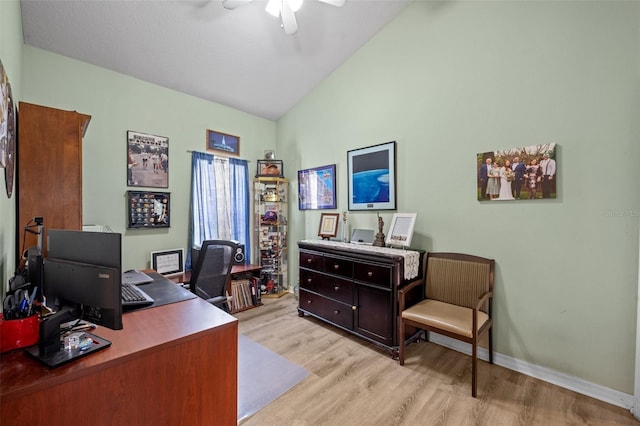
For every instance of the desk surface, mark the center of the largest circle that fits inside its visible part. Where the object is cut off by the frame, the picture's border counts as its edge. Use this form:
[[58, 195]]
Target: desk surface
[[144, 330]]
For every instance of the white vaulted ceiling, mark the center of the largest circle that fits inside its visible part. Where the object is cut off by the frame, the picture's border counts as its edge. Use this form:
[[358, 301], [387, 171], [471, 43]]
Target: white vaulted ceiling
[[240, 58]]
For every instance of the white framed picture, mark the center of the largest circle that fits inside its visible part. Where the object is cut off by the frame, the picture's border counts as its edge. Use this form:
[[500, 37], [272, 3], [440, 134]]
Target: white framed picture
[[168, 262], [401, 229]]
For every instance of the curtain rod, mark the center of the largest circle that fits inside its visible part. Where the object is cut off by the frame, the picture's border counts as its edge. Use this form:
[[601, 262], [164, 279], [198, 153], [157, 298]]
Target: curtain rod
[[216, 158]]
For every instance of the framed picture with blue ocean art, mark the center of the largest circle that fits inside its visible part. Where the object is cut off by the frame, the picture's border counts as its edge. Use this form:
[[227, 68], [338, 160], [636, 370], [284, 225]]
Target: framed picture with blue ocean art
[[223, 142], [372, 177]]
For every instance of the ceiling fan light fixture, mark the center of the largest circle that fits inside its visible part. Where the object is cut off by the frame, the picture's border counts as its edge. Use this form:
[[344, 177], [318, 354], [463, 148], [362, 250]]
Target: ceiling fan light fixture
[[294, 4], [274, 7]]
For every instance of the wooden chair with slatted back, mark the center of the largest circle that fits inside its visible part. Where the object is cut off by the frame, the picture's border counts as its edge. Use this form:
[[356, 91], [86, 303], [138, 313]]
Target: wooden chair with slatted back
[[457, 303]]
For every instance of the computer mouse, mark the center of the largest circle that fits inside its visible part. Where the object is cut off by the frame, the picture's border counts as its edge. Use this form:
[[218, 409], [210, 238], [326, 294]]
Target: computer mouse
[[130, 271]]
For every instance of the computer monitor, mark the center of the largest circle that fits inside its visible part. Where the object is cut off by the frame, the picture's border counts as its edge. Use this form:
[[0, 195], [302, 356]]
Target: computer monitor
[[82, 279]]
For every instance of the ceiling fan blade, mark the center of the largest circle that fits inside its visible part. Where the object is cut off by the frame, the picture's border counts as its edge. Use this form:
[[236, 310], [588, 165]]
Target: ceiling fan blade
[[336, 3], [232, 4], [289, 22]]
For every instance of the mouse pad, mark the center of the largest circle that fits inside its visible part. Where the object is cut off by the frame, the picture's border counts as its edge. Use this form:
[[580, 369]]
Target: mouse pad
[[164, 291]]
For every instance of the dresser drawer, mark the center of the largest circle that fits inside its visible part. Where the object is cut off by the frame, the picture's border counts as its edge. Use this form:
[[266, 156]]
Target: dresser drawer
[[311, 260], [332, 287], [335, 312], [374, 274], [338, 266]]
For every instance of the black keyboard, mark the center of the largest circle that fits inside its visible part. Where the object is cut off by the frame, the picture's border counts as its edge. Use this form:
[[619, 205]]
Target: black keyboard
[[133, 296]]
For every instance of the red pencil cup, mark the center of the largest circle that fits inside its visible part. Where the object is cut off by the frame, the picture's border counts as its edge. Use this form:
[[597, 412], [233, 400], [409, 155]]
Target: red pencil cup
[[18, 333]]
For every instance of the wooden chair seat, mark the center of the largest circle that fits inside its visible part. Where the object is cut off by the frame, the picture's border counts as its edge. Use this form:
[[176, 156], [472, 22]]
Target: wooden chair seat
[[445, 316]]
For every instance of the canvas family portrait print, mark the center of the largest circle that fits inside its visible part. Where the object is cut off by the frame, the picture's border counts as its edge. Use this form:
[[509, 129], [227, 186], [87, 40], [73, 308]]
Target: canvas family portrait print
[[526, 173]]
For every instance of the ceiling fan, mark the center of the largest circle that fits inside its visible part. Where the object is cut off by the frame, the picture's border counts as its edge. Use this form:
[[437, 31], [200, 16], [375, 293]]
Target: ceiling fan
[[285, 9]]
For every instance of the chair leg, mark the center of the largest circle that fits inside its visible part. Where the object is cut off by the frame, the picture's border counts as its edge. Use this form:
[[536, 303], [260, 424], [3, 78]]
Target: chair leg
[[474, 369], [401, 338]]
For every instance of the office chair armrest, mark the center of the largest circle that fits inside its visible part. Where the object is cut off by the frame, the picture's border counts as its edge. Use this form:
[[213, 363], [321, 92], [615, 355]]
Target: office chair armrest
[[217, 300]]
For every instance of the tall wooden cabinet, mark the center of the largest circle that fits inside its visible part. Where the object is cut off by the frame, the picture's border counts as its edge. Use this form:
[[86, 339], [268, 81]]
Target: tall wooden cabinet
[[49, 169], [270, 219]]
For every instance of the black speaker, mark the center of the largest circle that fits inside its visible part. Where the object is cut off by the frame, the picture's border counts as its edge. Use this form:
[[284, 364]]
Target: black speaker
[[239, 257]]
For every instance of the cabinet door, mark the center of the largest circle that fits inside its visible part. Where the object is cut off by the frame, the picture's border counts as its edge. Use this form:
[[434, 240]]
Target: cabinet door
[[374, 314], [49, 168]]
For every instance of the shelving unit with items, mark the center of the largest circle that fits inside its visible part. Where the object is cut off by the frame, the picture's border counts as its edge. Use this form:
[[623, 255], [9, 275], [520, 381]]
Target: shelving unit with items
[[271, 212]]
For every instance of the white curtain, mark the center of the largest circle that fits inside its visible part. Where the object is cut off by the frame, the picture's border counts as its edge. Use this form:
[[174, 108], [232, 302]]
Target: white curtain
[[219, 200]]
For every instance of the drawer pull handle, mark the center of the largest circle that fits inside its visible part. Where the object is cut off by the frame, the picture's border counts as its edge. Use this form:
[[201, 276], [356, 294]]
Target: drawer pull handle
[[370, 273], [309, 260], [353, 308], [308, 302], [336, 266], [336, 312], [308, 280], [336, 288]]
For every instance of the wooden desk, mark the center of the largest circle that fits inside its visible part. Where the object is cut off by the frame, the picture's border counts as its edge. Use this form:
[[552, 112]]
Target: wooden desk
[[174, 364]]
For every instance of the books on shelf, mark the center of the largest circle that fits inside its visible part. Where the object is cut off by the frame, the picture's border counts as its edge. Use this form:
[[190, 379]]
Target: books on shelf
[[245, 294]]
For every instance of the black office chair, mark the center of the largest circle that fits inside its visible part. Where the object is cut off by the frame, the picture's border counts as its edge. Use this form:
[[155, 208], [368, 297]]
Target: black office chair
[[212, 271]]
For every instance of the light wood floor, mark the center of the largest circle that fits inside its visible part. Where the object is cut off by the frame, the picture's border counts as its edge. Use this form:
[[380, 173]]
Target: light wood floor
[[352, 382]]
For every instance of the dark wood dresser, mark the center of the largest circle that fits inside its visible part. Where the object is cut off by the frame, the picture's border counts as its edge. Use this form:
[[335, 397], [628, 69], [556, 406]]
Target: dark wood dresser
[[355, 288]]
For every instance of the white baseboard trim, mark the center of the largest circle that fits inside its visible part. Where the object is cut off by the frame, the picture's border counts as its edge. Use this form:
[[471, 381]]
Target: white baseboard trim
[[557, 378]]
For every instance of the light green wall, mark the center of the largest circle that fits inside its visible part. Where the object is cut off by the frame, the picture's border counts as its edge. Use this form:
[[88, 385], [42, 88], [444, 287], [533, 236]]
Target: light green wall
[[118, 103], [11, 56], [447, 80]]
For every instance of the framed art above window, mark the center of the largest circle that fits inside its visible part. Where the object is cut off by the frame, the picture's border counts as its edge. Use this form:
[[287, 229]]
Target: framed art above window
[[371, 176], [223, 142]]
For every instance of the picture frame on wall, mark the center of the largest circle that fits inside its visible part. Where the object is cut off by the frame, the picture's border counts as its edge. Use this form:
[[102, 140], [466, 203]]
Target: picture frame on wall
[[147, 160], [223, 142], [270, 168], [371, 175], [317, 188], [148, 210], [168, 262], [518, 173]]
